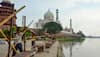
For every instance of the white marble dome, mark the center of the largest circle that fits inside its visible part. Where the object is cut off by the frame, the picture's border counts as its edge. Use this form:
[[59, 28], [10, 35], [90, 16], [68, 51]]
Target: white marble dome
[[48, 15]]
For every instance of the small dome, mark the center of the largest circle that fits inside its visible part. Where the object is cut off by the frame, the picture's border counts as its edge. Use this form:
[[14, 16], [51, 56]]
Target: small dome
[[7, 1], [48, 15], [66, 28]]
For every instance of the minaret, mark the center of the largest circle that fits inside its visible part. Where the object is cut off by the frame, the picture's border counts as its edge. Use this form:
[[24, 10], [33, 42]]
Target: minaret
[[57, 14], [23, 21], [71, 29], [70, 23]]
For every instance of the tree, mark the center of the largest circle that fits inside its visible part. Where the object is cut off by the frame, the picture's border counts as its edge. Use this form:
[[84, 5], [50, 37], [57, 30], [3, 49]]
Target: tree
[[28, 33], [81, 34], [6, 32], [52, 27]]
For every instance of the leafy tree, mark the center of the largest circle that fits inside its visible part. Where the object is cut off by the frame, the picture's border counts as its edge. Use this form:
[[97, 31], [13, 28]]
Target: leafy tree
[[52, 27], [7, 32], [28, 33], [14, 29], [81, 34]]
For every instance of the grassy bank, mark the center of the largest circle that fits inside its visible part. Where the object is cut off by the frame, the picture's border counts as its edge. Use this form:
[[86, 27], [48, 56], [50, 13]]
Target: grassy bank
[[65, 39]]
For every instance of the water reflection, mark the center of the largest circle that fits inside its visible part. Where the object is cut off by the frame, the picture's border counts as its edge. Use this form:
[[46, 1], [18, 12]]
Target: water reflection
[[86, 48], [69, 46]]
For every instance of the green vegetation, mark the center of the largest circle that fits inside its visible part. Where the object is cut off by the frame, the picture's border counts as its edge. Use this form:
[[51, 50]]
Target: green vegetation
[[14, 29], [28, 33], [52, 27], [70, 39], [7, 32]]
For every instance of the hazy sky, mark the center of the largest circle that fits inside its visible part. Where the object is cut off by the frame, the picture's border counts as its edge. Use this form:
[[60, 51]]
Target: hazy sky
[[84, 13]]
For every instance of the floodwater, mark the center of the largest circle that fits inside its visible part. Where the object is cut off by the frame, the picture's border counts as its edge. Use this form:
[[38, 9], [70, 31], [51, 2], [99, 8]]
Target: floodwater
[[4, 48], [90, 47]]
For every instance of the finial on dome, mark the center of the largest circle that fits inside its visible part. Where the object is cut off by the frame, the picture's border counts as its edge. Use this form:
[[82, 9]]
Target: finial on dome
[[48, 15]]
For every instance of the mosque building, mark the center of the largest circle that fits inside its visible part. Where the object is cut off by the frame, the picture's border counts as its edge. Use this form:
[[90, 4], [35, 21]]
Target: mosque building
[[6, 9], [48, 17]]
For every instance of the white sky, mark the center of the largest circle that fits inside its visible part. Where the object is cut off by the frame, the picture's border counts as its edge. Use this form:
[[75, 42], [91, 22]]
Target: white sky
[[84, 13]]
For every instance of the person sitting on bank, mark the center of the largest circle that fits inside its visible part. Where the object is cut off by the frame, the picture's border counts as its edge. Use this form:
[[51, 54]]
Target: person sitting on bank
[[18, 43]]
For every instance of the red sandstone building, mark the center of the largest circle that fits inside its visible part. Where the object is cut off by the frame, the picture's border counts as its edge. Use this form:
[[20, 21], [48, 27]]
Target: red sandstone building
[[6, 9]]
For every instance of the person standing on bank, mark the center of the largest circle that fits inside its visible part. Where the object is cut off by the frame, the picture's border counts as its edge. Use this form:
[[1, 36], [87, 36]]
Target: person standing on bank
[[18, 43]]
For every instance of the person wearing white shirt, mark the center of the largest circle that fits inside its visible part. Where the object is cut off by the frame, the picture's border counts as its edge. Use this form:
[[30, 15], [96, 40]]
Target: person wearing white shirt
[[18, 43]]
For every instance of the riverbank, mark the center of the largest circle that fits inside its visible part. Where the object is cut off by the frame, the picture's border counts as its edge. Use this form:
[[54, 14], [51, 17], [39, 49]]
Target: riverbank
[[53, 51], [66, 39]]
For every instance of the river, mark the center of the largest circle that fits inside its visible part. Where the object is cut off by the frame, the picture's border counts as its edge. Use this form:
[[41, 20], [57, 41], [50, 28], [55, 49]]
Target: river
[[90, 47]]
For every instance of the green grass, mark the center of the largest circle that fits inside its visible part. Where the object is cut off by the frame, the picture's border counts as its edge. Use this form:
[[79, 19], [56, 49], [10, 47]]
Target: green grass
[[66, 39]]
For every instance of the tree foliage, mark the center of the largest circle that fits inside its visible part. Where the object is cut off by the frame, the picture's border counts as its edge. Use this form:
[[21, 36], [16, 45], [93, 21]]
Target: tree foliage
[[52, 27], [28, 33], [7, 32], [81, 33]]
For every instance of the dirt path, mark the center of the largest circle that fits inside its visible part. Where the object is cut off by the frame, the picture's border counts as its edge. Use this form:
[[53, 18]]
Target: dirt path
[[52, 52]]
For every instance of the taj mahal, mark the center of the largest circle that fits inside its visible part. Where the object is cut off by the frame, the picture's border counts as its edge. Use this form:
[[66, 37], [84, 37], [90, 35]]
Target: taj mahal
[[48, 17]]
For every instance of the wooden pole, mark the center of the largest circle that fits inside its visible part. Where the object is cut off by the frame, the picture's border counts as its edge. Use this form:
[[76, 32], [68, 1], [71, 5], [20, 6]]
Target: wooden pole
[[11, 33], [4, 21], [9, 42], [25, 29]]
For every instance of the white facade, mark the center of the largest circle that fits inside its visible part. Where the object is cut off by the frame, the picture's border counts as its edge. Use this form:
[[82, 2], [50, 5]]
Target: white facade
[[48, 17]]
